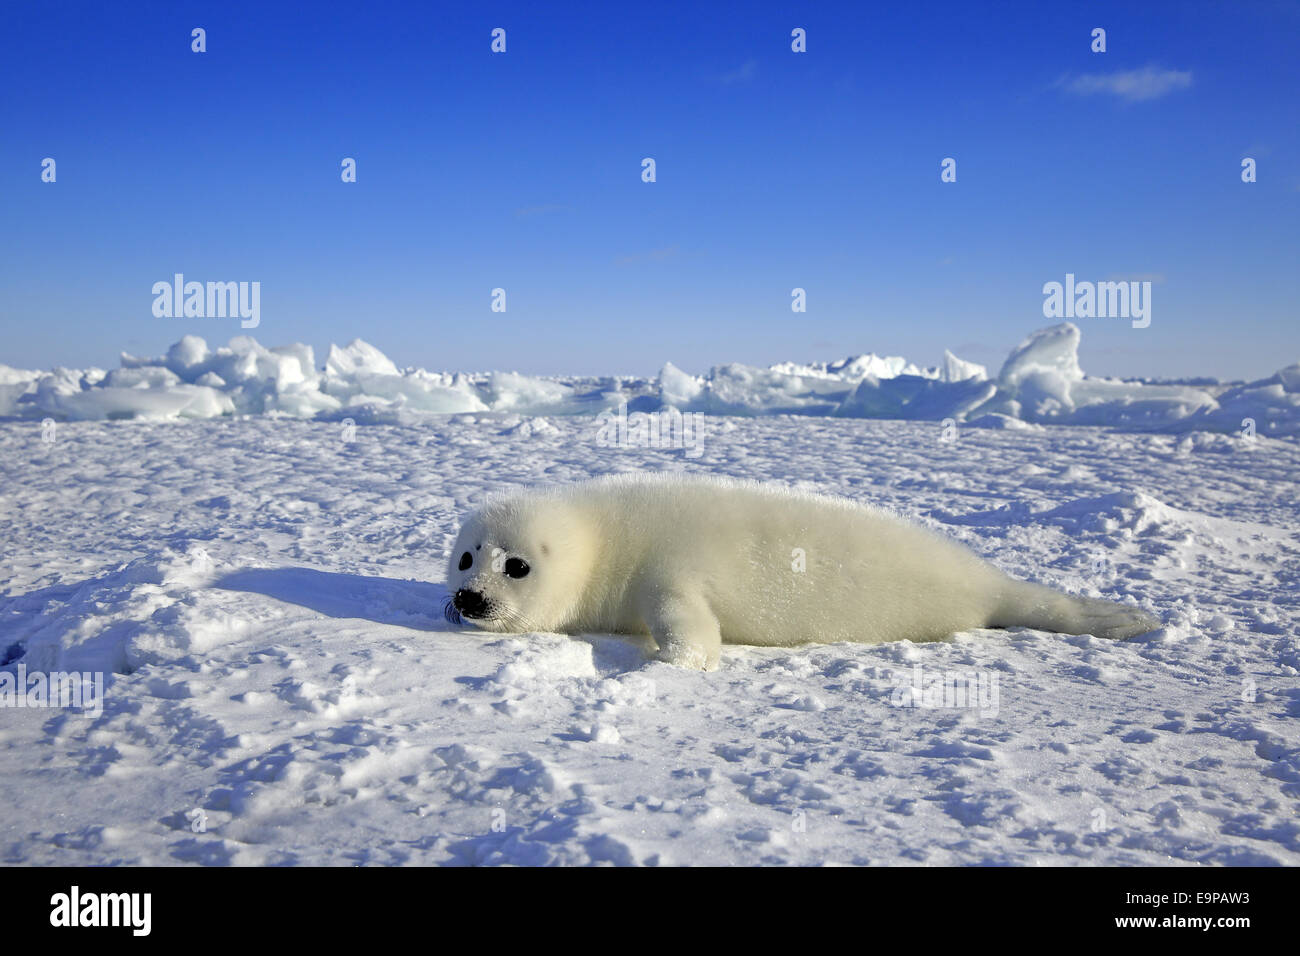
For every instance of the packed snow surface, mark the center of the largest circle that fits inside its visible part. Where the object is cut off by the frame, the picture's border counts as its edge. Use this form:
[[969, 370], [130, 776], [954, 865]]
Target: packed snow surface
[[1040, 382], [265, 595]]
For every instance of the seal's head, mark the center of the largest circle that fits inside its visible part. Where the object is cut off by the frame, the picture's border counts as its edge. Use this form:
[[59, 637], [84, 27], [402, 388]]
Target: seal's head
[[519, 564]]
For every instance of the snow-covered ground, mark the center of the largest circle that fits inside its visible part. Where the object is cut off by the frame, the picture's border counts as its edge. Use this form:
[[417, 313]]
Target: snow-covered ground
[[265, 593]]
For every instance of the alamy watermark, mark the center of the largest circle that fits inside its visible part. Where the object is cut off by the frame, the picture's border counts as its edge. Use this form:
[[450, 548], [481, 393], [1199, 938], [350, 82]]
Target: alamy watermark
[[213, 300], [132, 911], [1099, 300], [74, 690], [954, 690], [668, 428]]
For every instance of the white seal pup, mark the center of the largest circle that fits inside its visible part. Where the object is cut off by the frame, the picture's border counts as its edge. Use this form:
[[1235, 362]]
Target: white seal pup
[[697, 562]]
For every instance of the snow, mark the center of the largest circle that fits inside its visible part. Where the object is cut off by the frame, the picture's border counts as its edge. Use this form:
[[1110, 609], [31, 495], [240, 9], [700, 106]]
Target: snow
[[1041, 382], [264, 591]]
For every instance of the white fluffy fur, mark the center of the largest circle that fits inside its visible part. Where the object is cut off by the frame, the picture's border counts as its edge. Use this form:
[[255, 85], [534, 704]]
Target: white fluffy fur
[[696, 562]]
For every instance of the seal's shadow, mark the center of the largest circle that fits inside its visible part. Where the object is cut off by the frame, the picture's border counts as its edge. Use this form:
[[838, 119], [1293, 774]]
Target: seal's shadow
[[414, 604]]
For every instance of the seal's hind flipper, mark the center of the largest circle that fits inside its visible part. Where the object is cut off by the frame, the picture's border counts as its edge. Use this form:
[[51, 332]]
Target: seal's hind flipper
[[1031, 605]]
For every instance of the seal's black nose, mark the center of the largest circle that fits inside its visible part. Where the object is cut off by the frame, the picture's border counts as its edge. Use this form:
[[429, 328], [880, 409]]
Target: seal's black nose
[[470, 603]]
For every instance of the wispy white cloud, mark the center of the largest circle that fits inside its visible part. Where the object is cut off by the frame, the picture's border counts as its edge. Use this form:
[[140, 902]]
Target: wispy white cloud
[[655, 255], [539, 210], [1148, 83], [743, 74]]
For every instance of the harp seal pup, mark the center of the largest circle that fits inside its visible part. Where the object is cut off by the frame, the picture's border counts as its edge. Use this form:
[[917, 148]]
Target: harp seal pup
[[698, 562]]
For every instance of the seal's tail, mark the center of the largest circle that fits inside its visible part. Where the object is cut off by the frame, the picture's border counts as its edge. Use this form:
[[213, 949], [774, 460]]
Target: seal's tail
[[1032, 605]]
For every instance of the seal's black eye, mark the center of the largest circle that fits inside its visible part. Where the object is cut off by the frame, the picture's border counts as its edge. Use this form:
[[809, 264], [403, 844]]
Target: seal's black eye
[[516, 567], [466, 560]]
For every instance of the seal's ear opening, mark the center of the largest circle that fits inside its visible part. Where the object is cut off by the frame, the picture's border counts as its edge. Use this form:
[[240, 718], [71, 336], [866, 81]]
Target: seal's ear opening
[[545, 549]]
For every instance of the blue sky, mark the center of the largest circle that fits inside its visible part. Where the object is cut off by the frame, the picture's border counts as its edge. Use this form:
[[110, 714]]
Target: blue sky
[[775, 170]]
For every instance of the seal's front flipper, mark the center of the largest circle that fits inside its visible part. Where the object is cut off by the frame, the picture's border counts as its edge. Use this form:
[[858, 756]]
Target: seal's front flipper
[[685, 629]]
